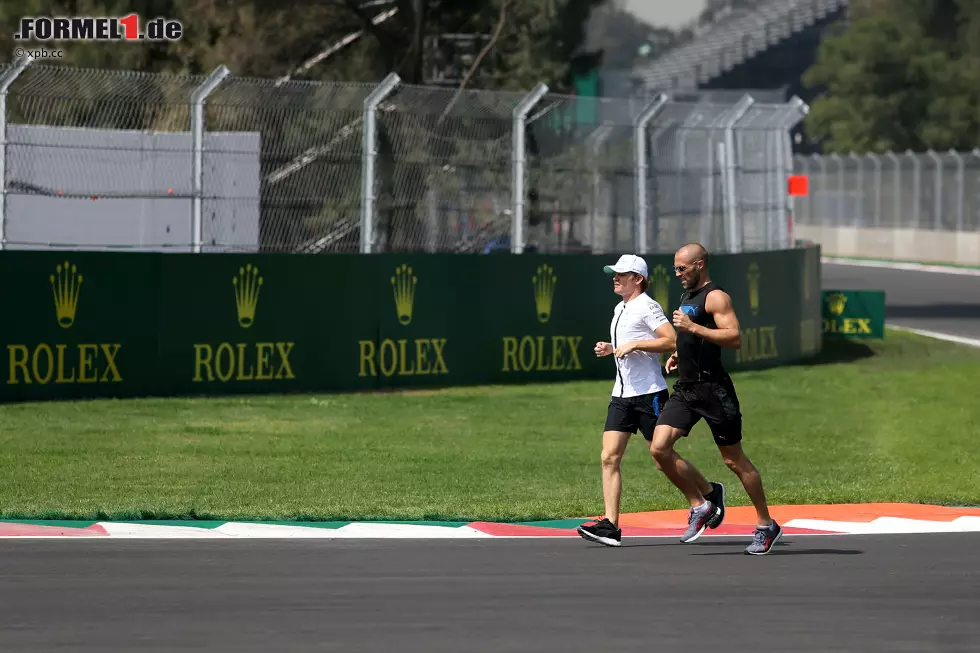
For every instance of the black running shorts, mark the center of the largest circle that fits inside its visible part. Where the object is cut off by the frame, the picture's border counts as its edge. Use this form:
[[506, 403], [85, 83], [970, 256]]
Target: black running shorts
[[632, 414], [716, 402]]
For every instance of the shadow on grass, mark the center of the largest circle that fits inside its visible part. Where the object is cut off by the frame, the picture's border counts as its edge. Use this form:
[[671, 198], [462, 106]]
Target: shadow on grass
[[837, 350]]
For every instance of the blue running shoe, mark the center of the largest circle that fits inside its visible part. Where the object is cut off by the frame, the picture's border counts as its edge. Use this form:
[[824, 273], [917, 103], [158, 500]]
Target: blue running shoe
[[763, 539], [698, 521]]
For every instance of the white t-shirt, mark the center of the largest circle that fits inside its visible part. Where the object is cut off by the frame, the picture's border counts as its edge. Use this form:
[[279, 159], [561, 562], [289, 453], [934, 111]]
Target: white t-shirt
[[638, 373]]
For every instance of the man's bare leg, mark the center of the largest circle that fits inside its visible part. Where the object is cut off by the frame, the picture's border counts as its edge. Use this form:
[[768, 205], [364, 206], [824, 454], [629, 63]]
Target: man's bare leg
[[682, 473], [613, 447], [688, 480], [751, 480]]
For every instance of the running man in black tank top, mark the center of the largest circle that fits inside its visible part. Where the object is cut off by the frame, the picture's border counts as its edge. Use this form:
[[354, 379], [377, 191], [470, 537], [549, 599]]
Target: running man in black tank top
[[706, 323]]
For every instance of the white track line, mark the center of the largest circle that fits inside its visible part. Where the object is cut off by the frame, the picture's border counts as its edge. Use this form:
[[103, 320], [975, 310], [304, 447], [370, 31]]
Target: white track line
[[971, 342], [897, 265], [891, 526]]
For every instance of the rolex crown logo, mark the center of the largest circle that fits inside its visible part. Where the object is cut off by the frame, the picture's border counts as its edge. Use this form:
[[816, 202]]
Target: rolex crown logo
[[544, 292], [403, 285], [247, 285], [836, 302], [753, 278], [66, 284], [660, 285]]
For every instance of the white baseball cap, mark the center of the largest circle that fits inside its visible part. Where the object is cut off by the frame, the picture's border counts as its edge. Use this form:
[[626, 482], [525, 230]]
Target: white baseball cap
[[628, 263]]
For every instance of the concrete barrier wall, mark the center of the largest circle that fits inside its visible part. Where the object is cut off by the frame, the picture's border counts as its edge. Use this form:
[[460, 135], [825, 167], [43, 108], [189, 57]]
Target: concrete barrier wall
[[917, 245]]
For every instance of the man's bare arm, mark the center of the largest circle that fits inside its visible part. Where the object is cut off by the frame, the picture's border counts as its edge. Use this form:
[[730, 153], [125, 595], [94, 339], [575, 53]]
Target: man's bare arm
[[666, 341], [728, 334]]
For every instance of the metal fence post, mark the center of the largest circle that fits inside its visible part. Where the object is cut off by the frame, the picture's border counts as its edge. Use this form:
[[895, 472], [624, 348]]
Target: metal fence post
[[786, 143], [916, 186], [776, 180], [708, 210], [596, 141], [840, 188], [640, 161], [518, 121], [972, 210], [774, 183], [198, 98], [857, 215], [732, 230], [800, 165], [368, 155], [896, 188], [723, 180], [823, 206], [937, 190], [877, 164], [692, 123], [960, 188], [6, 79]]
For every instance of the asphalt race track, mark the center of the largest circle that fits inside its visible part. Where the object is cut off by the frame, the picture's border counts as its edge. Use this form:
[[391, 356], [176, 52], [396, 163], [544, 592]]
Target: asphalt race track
[[813, 593], [945, 303]]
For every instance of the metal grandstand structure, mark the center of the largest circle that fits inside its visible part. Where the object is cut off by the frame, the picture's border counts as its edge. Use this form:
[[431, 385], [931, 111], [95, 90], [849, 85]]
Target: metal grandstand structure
[[734, 39]]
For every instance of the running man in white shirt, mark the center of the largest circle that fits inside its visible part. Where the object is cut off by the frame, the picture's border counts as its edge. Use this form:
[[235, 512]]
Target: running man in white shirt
[[640, 332]]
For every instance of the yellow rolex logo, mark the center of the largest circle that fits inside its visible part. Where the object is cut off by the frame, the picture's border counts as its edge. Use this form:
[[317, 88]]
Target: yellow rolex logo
[[753, 277], [403, 285], [66, 284], [836, 302], [247, 285], [544, 292], [660, 285]]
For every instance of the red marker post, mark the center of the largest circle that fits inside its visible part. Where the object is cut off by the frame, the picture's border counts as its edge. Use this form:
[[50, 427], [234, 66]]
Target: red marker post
[[799, 185]]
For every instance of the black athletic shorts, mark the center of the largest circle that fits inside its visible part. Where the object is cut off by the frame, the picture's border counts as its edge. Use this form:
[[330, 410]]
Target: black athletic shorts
[[716, 402], [632, 414]]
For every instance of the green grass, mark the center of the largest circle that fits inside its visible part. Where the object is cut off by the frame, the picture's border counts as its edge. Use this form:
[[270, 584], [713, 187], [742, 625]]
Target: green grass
[[899, 425]]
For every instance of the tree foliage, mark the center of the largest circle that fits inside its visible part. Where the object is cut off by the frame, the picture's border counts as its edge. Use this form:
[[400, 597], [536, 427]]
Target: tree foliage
[[264, 38], [904, 75]]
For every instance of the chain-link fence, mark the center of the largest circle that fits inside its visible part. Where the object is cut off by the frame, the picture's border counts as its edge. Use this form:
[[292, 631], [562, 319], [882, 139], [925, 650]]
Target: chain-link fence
[[98, 159], [922, 190]]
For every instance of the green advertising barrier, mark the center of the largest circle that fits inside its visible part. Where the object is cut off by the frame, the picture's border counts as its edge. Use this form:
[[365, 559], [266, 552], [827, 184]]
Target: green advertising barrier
[[96, 324], [82, 325], [854, 313]]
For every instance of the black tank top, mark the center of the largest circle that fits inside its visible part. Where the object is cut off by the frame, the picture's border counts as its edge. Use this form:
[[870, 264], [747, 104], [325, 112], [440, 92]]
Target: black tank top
[[698, 359]]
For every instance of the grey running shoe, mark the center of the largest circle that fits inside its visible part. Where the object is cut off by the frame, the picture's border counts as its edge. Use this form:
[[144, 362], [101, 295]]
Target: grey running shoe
[[698, 521], [763, 539], [602, 531], [717, 497]]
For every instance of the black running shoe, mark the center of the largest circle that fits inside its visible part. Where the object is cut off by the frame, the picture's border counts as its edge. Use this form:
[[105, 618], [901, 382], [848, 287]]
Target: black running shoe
[[602, 531], [717, 497]]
